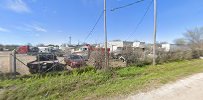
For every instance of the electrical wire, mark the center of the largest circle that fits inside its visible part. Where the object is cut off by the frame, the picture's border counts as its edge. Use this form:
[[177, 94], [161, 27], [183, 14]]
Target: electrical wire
[[126, 5], [94, 26], [141, 20], [117, 9]]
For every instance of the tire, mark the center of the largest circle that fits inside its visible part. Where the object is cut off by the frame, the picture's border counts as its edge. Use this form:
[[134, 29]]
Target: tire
[[33, 71]]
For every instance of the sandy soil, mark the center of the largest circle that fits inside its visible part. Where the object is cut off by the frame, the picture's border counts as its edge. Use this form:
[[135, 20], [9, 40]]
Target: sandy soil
[[21, 68], [4, 62], [190, 88]]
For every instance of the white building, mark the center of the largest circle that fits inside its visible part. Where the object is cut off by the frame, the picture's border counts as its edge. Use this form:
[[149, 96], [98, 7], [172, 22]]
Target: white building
[[44, 49], [67, 48], [118, 45], [139, 44], [53, 47], [174, 47], [48, 49]]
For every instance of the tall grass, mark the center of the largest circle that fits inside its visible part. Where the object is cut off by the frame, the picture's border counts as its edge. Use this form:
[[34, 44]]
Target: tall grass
[[88, 83]]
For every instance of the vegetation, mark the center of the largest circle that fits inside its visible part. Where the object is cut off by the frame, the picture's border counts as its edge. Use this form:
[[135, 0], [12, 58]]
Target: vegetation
[[88, 83], [9, 47], [193, 39]]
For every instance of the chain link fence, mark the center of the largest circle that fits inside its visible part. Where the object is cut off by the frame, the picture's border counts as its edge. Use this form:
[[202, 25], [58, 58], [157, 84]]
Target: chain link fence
[[13, 63]]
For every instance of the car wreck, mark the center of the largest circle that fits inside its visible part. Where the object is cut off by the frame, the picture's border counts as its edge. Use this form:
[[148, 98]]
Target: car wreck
[[44, 62]]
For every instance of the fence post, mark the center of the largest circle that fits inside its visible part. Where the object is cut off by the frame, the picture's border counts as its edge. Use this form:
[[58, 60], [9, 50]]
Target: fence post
[[14, 63], [11, 63]]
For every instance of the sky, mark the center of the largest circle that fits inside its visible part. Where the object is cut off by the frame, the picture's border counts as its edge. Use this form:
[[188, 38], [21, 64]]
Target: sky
[[54, 21]]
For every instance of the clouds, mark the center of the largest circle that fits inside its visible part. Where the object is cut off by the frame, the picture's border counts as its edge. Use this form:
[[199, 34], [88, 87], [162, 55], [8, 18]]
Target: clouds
[[4, 29], [18, 6], [37, 28], [31, 28]]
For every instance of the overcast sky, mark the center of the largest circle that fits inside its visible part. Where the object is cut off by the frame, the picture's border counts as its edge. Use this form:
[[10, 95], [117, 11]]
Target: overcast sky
[[53, 21]]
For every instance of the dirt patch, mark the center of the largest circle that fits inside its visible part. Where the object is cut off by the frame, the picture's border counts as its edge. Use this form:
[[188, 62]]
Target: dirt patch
[[4, 62], [117, 63], [190, 88], [1, 93]]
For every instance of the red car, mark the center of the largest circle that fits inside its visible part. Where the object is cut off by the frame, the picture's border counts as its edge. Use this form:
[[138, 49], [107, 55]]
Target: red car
[[74, 61]]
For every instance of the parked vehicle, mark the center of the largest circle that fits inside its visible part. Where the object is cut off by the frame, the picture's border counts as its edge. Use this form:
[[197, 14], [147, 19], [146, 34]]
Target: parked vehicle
[[27, 50], [74, 61], [45, 62]]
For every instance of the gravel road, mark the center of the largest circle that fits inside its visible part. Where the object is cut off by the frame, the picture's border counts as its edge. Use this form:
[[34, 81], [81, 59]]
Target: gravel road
[[1, 93], [190, 88]]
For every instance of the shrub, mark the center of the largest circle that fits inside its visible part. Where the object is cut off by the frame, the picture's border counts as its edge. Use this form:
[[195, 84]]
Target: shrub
[[163, 56], [136, 57], [97, 59]]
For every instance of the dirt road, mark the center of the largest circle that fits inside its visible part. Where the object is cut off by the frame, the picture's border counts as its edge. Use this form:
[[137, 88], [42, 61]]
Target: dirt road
[[190, 88]]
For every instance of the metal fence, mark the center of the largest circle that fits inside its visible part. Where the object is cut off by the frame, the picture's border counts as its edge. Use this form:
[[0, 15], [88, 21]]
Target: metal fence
[[15, 64]]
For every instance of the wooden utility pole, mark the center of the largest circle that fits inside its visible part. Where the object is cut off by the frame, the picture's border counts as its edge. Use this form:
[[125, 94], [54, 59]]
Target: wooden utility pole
[[105, 33], [155, 28]]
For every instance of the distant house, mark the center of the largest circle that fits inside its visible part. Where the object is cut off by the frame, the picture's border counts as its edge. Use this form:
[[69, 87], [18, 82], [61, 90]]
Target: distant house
[[139, 44], [67, 48], [174, 47], [48, 49], [53, 47], [118, 45], [43, 49]]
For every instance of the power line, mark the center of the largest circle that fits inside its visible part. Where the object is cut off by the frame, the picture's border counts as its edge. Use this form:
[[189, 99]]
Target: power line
[[141, 20], [94, 26], [126, 5]]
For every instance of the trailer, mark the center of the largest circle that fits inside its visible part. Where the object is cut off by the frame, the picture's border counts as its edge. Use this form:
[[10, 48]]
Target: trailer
[[23, 49], [27, 50]]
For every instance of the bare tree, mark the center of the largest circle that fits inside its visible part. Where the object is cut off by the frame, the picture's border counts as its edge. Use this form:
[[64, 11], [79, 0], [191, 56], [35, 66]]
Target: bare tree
[[195, 38], [180, 41]]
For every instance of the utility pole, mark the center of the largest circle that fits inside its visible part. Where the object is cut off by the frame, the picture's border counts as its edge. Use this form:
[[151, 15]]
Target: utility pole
[[155, 28], [69, 40], [105, 33]]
